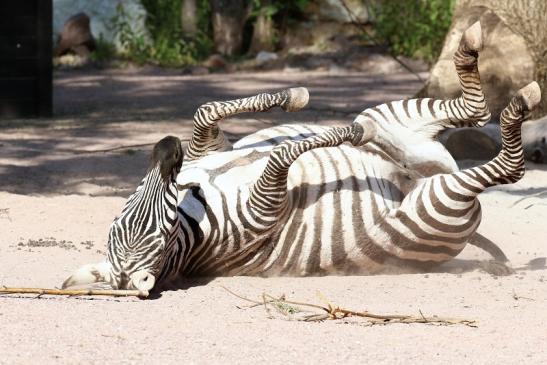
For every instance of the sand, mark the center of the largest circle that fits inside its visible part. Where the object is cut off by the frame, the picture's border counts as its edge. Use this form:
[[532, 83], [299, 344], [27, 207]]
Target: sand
[[62, 183]]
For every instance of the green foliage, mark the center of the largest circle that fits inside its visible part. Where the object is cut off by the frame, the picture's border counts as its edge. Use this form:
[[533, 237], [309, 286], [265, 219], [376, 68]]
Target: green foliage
[[413, 28], [104, 50], [134, 43], [169, 46], [164, 44]]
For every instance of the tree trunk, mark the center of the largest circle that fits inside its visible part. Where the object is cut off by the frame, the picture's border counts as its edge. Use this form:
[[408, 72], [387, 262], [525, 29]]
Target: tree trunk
[[263, 32], [229, 17], [189, 17]]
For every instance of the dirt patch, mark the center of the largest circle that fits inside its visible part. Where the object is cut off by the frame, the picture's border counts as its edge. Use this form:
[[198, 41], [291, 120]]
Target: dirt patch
[[52, 242]]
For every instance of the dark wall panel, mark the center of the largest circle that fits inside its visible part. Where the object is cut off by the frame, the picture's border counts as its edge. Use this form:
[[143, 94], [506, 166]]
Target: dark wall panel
[[25, 58]]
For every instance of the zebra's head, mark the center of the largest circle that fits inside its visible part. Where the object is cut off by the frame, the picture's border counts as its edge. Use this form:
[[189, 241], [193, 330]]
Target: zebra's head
[[138, 241]]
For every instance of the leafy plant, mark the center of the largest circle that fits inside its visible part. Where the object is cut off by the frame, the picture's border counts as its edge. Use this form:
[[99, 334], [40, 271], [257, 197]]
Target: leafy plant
[[104, 50], [169, 46], [413, 28], [164, 43], [133, 43]]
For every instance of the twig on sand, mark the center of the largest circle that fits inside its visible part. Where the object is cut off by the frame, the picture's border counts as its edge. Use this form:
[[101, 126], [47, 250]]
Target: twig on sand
[[518, 297], [540, 194], [74, 292], [288, 309]]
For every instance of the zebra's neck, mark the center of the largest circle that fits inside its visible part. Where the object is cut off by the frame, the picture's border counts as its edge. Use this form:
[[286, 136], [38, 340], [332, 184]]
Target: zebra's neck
[[152, 208]]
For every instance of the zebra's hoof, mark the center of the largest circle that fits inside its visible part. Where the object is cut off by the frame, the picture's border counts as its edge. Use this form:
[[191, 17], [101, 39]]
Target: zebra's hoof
[[298, 98], [530, 95], [472, 38]]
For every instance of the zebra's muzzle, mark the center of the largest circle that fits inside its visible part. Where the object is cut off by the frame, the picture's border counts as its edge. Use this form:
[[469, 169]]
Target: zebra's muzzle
[[141, 280]]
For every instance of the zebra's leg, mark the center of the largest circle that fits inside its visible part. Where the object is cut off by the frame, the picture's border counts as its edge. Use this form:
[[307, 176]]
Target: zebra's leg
[[442, 212], [208, 137], [470, 108], [408, 125], [268, 196]]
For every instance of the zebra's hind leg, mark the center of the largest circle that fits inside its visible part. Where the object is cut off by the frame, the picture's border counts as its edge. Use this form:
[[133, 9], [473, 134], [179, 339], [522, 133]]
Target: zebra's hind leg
[[470, 108], [436, 219], [208, 137], [268, 196]]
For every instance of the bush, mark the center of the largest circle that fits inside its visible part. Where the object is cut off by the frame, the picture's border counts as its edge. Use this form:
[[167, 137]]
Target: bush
[[164, 44], [104, 50], [413, 28]]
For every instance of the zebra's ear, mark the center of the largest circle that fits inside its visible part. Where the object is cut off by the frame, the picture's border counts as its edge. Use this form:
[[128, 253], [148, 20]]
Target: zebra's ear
[[94, 275]]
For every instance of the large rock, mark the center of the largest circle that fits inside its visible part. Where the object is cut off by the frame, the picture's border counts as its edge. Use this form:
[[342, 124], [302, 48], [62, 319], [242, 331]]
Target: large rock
[[100, 13], [473, 143], [76, 37], [334, 10], [534, 137], [505, 64], [485, 143]]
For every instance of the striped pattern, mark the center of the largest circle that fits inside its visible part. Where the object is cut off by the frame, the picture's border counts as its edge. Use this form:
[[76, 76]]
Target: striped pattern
[[138, 236]]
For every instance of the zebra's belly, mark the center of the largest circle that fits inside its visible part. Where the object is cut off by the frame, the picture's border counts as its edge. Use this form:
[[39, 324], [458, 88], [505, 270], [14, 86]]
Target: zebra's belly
[[331, 192]]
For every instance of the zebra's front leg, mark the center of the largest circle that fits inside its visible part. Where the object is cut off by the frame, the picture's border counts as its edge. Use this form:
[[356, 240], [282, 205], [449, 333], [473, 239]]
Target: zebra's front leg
[[437, 218], [208, 137], [268, 196]]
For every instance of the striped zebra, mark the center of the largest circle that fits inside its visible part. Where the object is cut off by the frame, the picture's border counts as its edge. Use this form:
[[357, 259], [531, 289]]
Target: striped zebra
[[278, 203]]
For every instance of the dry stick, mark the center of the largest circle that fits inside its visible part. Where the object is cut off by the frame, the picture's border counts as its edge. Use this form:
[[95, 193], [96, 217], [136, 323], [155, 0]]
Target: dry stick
[[536, 195], [339, 313], [75, 292]]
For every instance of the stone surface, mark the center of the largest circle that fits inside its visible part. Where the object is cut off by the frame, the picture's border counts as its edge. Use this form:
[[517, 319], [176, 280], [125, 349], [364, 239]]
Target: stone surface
[[264, 56], [473, 143], [485, 143], [101, 13], [334, 10], [76, 37], [534, 137], [505, 64], [215, 62]]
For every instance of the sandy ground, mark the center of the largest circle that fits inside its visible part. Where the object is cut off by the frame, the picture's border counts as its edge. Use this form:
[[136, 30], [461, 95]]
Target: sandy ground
[[63, 180]]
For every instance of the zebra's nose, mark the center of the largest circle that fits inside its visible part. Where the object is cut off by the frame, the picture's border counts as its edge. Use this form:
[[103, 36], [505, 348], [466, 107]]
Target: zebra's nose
[[142, 280]]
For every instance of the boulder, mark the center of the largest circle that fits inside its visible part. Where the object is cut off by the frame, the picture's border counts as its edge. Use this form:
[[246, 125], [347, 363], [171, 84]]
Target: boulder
[[485, 143], [473, 143], [264, 56], [534, 139], [215, 62], [505, 64], [76, 37], [334, 10], [101, 13]]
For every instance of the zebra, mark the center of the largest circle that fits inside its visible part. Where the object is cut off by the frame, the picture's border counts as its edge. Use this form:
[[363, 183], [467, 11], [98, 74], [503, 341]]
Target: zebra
[[386, 194]]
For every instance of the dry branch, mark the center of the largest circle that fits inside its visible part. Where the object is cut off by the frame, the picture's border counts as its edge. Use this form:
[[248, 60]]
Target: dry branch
[[329, 311], [75, 292]]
